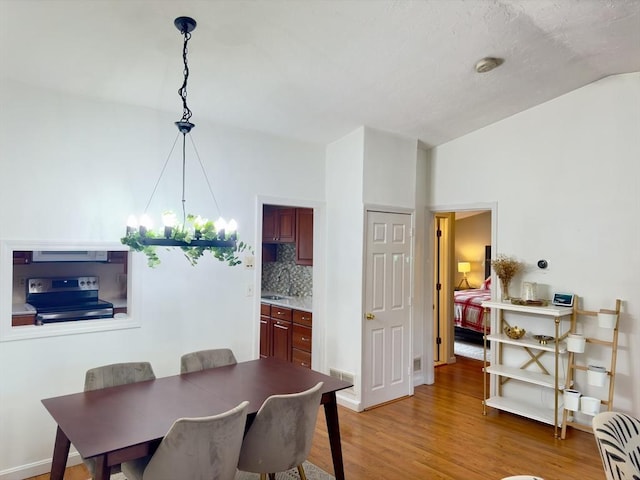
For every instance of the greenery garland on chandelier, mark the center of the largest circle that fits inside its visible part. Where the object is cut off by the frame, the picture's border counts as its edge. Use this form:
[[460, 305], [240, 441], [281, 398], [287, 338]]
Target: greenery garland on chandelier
[[190, 235]]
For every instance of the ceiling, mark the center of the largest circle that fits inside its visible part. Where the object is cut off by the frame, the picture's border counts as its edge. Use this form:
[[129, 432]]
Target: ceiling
[[315, 70]]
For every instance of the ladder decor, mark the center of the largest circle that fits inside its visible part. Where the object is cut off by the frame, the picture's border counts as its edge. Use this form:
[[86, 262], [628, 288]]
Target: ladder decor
[[578, 347]]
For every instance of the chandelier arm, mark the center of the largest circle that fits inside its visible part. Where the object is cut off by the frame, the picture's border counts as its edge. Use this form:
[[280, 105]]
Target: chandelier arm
[[164, 167], [204, 172]]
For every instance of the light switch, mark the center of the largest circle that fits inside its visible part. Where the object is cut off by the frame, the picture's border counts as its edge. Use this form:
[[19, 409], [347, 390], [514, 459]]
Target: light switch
[[249, 261]]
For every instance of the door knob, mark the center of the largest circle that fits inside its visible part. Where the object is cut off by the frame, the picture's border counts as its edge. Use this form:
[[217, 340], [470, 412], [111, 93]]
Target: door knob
[[370, 316]]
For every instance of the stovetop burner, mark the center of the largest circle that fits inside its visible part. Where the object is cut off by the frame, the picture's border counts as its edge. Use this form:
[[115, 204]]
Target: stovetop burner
[[64, 299]]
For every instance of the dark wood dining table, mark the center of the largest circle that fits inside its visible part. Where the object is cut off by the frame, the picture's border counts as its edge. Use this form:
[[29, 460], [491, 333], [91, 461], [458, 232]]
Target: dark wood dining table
[[116, 424]]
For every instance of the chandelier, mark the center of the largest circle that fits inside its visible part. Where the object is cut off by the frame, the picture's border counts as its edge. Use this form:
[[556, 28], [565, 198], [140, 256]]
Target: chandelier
[[194, 235]]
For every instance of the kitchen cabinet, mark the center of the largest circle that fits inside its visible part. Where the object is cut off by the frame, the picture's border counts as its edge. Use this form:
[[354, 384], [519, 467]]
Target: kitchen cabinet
[[23, 319], [278, 224], [285, 333], [302, 335], [304, 236], [276, 335], [524, 369], [265, 330], [22, 257]]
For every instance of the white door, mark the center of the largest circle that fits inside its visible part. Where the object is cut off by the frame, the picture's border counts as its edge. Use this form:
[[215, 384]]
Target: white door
[[387, 325]]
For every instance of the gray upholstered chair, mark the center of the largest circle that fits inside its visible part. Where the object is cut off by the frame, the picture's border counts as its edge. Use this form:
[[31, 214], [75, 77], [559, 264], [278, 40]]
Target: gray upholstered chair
[[281, 434], [117, 374], [203, 359], [112, 376], [618, 439], [205, 448]]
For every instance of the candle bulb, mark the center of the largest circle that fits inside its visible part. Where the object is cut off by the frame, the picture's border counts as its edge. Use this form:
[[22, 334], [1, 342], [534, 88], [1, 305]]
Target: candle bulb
[[132, 225]]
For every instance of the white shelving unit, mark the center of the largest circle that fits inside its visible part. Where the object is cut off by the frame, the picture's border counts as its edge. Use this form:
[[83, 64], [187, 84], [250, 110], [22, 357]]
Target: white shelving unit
[[531, 371]]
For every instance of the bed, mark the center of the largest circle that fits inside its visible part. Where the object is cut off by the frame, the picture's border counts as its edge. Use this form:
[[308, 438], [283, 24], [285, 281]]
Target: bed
[[467, 310]]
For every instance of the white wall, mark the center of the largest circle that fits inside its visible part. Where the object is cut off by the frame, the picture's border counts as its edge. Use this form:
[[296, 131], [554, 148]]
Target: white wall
[[72, 170], [565, 178], [366, 168]]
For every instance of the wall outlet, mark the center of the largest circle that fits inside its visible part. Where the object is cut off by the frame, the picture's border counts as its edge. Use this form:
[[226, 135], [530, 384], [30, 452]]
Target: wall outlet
[[249, 261]]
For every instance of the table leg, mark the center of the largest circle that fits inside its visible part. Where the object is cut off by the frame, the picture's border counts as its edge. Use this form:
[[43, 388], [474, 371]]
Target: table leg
[[60, 454], [333, 428], [103, 471]]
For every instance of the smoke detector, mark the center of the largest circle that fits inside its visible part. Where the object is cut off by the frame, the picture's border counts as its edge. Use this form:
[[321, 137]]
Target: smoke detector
[[487, 64]]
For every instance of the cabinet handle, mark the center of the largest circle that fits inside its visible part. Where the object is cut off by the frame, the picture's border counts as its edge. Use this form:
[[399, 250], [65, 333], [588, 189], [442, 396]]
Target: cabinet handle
[[304, 339], [304, 364]]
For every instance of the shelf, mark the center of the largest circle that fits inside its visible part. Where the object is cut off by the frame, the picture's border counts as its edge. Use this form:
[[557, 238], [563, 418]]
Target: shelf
[[550, 311], [536, 378], [529, 343], [521, 408]]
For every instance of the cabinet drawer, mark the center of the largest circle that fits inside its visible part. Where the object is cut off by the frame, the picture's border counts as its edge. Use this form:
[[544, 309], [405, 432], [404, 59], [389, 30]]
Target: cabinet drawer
[[281, 313], [302, 337], [265, 309], [20, 320], [301, 358], [302, 317]]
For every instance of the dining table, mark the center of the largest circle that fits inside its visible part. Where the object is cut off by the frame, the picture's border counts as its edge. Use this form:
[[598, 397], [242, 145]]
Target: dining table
[[117, 424]]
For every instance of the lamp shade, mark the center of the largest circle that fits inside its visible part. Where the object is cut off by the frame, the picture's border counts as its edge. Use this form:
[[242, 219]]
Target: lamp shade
[[464, 267]]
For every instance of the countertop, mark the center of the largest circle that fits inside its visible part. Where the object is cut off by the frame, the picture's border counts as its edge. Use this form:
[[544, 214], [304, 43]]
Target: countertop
[[297, 303]]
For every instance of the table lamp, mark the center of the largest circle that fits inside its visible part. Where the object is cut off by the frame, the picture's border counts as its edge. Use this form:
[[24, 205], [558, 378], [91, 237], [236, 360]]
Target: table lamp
[[464, 268]]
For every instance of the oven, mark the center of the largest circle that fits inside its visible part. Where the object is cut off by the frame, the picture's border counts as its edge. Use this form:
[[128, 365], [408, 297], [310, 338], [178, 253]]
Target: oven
[[66, 299]]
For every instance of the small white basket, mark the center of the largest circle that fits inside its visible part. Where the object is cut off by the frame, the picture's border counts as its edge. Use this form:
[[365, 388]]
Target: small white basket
[[576, 342], [607, 319], [596, 375]]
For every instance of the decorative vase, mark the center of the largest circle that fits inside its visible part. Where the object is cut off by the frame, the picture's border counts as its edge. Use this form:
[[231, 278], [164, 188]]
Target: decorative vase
[[504, 283]]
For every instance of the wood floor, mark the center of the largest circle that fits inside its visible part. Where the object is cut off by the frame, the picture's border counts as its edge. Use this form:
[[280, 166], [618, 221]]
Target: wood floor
[[440, 433]]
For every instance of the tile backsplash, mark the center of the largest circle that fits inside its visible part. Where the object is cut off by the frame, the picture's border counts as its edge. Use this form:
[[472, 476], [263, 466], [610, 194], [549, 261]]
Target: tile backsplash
[[284, 276]]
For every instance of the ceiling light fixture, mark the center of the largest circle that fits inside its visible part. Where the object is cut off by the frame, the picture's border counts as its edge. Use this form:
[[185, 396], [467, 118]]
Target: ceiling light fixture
[[488, 63], [194, 235]]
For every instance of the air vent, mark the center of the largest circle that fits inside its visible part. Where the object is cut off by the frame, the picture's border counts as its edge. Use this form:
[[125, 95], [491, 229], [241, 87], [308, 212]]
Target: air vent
[[417, 364], [345, 376]]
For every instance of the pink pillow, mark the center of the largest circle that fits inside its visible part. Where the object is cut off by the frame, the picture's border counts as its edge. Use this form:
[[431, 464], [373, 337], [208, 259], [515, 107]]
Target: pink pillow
[[486, 285]]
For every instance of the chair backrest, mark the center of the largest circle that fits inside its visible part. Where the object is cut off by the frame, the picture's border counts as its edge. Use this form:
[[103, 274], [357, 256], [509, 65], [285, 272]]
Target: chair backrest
[[117, 374], [200, 448], [281, 434], [618, 439], [196, 361]]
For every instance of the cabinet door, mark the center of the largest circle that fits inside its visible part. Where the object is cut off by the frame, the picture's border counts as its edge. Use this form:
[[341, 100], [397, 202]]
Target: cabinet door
[[286, 225], [281, 339], [269, 225], [304, 236], [21, 257], [265, 337]]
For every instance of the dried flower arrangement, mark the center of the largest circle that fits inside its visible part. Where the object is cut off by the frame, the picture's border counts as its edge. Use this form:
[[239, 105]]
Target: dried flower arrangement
[[506, 268]]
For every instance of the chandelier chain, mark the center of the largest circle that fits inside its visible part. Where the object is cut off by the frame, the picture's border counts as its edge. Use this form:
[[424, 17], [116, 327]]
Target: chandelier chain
[[182, 92]]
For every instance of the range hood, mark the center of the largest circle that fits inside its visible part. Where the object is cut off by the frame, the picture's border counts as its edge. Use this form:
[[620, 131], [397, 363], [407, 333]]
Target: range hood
[[69, 256]]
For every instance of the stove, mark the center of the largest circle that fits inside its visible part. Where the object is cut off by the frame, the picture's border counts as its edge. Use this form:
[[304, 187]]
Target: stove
[[66, 299]]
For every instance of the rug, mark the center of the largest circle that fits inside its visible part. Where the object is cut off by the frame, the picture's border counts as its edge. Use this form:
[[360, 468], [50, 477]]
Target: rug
[[469, 350], [313, 473]]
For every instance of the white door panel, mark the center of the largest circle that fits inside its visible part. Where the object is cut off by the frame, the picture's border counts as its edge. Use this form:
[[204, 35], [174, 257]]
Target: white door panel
[[387, 351]]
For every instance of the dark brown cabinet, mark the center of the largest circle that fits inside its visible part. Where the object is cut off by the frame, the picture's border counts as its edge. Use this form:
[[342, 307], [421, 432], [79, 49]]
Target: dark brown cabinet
[[302, 335], [304, 236], [276, 332], [21, 257], [23, 319], [285, 333], [278, 224]]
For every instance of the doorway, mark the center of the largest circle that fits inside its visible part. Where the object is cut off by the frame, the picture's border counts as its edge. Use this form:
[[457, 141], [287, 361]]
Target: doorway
[[462, 250]]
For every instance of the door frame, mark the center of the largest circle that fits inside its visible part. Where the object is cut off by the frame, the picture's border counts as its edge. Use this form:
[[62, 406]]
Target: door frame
[[412, 215], [431, 221]]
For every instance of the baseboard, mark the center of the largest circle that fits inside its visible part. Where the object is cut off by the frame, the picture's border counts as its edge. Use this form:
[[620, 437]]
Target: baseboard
[[36, 468], [348, 402]]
